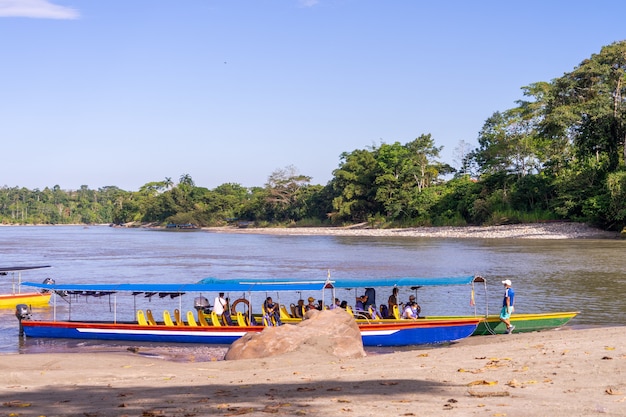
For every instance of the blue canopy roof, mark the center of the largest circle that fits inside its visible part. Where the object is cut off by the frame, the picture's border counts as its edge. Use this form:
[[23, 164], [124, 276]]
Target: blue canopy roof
[[218, 286], [403, 282], [257, 285], [363, 282]]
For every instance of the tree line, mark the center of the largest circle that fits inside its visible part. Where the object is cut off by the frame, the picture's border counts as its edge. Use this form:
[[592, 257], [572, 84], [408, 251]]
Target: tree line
[[558, 154]]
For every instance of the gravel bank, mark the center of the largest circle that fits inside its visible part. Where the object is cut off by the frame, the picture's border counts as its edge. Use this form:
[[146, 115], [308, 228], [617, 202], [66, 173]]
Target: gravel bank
[[556, 230]]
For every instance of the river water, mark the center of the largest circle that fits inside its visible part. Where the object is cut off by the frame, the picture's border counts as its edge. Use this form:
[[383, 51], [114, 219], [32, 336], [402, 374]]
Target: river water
[[548, 275]]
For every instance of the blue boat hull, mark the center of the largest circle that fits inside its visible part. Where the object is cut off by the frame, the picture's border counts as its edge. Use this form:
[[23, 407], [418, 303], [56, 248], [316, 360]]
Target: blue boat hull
[[392, 334], [417, 335]]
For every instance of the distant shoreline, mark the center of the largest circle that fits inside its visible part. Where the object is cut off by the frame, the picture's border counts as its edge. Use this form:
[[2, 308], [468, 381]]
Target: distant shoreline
[[553, 230]]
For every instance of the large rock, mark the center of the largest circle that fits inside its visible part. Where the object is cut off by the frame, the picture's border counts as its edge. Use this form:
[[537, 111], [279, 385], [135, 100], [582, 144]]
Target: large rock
[[332, 332]]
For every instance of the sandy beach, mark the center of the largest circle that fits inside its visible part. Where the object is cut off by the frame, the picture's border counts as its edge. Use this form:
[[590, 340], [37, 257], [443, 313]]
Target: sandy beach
[[553, 373]]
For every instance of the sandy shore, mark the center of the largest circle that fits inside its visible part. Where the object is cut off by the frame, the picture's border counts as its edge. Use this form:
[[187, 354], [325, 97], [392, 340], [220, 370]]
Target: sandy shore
[[554, 230], [554, 373]]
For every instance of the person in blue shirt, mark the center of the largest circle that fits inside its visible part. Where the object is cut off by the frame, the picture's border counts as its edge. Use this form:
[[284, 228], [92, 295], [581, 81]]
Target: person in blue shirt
[[507, 306], [360, 303]]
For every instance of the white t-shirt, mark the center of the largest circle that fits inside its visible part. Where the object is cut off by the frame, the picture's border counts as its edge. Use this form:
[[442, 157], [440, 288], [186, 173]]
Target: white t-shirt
[[218, 305]]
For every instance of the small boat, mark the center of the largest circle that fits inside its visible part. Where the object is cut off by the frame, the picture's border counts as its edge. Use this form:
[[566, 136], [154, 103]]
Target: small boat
[[16, 296], [205, 326]]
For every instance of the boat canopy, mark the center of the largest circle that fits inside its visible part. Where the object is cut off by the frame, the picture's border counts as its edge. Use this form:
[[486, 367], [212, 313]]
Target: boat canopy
[[366, 282], [217, 286], [4, 270], [254, 285], [403, 282]]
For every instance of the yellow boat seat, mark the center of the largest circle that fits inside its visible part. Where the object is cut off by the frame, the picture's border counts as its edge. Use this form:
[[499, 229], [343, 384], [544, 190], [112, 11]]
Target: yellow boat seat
[[202, 318], [373, 313], [177, 318], [215, 319], [167, 318], [150, 318], [283, 312], [241, 320], [349, 310], [396, 312], [141, 318], [191, 320]]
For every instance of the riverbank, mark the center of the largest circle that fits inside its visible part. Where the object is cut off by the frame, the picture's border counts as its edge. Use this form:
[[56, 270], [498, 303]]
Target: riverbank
[[553, 230], [558, 373]]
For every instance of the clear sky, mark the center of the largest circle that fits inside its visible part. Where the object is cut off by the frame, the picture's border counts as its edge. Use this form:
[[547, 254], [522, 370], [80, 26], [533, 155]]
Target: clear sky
[[125, 92]]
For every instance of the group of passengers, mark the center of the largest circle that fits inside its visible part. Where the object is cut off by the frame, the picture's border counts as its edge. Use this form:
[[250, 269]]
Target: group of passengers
[[365, 305], [408, 310]]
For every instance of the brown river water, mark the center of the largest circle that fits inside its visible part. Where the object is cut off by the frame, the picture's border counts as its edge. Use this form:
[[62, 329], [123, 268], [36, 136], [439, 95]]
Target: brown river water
[[583, 275]]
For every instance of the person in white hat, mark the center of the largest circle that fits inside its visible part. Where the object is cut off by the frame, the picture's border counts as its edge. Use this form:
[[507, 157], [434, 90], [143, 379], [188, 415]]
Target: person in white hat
[[507, 306]]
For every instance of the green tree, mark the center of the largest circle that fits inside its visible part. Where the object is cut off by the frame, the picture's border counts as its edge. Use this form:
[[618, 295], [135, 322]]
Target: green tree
[[353, 185]]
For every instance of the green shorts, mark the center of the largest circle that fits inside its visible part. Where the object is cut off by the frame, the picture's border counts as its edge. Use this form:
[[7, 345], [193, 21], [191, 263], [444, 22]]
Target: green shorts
[[505, 314]]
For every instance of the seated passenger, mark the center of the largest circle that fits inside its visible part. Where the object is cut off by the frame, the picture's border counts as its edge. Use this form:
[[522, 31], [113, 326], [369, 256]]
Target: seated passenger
[[360, 303], [300, 309], [411, 311], [272, 312], [311, 305]]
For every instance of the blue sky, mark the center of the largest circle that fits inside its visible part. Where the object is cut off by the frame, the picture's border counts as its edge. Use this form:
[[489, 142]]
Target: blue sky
[[125, 92]]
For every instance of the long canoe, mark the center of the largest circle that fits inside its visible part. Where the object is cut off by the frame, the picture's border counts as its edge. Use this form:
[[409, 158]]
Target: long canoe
[[401, 333]]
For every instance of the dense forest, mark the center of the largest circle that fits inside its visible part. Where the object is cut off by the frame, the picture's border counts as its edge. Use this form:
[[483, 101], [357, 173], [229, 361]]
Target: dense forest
[[559, 154]]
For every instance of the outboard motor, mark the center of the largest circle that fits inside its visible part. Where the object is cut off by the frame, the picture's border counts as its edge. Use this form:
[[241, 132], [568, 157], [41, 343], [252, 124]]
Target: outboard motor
[[22, 312], [201, 303]]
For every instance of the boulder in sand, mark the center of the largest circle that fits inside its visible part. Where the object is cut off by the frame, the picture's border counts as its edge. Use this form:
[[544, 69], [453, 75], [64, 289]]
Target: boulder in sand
[[331, 332]]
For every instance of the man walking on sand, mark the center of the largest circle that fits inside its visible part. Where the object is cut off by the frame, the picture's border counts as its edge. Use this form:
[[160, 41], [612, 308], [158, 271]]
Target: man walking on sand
[[507, 306]]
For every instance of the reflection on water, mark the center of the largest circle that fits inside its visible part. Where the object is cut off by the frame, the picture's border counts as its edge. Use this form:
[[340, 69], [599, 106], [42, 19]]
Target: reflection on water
[[548, 275]]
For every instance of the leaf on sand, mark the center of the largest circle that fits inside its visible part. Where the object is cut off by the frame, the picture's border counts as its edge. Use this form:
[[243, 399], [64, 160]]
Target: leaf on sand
[[237, 411], [152, 413], [609, 348], [274, 408], [513, 383], [482, 382], [488, 394], [16, 403], [612, 391]]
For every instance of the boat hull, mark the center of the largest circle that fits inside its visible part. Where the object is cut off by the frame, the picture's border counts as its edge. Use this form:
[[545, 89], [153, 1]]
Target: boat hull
[[417, 332], [522, 322], [34, 299], [388, 334]]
